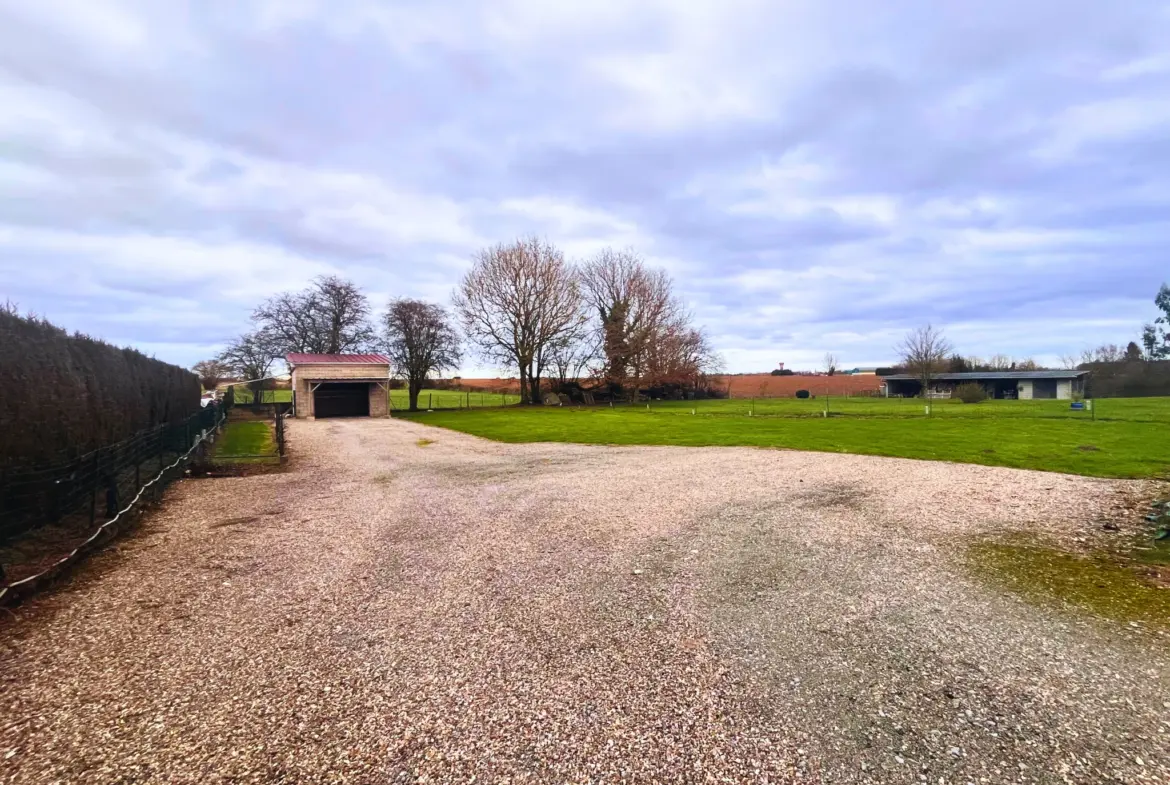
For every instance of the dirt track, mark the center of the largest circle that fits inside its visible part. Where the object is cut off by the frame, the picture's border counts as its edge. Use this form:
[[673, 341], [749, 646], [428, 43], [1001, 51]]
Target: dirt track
[[391, 612]]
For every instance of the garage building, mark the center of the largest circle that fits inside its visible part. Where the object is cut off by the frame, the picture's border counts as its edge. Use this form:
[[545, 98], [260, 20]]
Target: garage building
[[1021, 385], [340, 385]]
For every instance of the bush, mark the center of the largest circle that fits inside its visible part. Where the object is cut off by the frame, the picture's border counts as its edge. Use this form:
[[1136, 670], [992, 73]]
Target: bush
[[65, 395], [971, 393], [784, 372], [802, 394]]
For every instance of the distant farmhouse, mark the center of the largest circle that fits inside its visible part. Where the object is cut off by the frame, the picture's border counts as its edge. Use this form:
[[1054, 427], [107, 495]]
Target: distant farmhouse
[[1024, 385]]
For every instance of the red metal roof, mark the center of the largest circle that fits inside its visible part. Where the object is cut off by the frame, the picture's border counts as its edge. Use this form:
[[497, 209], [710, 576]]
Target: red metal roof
[[351, 359]]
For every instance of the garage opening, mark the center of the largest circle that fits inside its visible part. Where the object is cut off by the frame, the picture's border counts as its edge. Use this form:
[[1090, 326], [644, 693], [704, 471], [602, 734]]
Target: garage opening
[[342, 399], [1044, 388]]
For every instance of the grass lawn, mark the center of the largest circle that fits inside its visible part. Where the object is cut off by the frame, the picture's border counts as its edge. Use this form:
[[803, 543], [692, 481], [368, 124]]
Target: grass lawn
[[246, 438], [450, 399], [244, 395], [1129, 438]]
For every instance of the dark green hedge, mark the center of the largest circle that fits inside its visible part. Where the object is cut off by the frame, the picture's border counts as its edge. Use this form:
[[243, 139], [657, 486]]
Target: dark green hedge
[[62, 396], [1128, 378]]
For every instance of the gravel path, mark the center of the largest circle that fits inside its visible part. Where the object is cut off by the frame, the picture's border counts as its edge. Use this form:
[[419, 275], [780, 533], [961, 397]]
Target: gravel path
[[389, 611]]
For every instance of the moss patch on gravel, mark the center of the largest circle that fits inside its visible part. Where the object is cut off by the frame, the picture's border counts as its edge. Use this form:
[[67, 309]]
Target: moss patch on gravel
[[1112, 585]]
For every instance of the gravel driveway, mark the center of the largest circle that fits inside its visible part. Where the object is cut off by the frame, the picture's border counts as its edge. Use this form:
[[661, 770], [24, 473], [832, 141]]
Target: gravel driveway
[[392, 611]]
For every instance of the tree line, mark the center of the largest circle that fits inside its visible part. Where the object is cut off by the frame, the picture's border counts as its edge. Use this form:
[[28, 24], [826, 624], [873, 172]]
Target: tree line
[[610, 324]]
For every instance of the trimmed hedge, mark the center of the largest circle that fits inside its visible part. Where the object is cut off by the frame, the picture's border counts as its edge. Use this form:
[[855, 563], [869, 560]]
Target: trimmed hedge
[[62, 396]]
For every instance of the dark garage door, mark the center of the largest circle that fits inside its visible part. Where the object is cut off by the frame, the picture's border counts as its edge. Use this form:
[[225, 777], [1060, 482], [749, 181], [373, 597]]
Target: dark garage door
[[342, 399]]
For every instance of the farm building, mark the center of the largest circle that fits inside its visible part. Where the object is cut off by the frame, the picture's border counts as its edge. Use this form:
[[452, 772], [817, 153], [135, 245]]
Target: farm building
[[1024, 385], [340, 385]]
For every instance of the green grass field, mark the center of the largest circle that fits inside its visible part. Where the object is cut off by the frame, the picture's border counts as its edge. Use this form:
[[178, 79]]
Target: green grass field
[[1128, 438], [244, 395], [246, 438], [450, 399]]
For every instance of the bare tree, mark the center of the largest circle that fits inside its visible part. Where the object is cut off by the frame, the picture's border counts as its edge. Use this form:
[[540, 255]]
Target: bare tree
[[329, 317], [636, 308], [999, 362], [250, 357], [680, 356], [515, 302], [830, 363], [924, 352], [573, 357], [419, 341], [211, 372]]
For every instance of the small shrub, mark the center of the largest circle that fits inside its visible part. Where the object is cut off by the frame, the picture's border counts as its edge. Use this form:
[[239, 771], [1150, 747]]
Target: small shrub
[[971, 393], [802, 394]]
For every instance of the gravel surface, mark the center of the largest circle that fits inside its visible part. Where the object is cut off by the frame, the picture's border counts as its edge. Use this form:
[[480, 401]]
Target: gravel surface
[[393, 611]]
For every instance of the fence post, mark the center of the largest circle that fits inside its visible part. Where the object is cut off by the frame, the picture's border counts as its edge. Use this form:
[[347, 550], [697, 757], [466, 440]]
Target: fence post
[[93, 488], [430, 400]]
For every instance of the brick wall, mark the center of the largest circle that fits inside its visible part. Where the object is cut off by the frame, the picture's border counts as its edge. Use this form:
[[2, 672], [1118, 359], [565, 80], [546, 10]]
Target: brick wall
[[379, 406]]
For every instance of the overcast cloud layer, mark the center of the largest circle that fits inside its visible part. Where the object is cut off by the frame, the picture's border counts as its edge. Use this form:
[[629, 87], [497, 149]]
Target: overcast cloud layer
[[816, 175]]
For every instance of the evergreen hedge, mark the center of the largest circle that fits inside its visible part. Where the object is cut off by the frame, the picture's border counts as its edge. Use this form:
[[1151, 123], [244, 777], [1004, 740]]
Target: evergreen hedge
[[64, 395]]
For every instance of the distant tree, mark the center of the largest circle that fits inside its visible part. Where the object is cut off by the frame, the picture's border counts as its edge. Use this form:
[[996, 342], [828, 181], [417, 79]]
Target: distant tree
[[419, 341], [999, 362], [830, 363], [1156, 336], [1105, 353], [250, 357], [1069, 362], [924, 352], [956, 363], [331, 316], [783, 372], [1150, 342], [1133, 352], [515, 302], [211, 372]]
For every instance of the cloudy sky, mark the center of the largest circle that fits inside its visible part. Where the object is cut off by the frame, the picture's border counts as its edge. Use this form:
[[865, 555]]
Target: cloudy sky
[[816, 175]]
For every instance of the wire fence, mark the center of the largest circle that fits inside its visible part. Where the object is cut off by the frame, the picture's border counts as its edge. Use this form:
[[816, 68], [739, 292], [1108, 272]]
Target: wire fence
[[1151, 410], [96, 484], [452, 399]]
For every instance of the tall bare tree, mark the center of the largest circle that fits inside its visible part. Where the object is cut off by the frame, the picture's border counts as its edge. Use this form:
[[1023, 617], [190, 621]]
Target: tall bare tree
[[515, 302], [830, 363], [331, 316], [211, 372], [420, 341], [250, 357], [635, 306], [924, 352]]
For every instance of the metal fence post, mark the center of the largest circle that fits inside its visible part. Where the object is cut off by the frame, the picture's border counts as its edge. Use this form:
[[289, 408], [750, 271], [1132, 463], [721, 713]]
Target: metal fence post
[[93, 483]]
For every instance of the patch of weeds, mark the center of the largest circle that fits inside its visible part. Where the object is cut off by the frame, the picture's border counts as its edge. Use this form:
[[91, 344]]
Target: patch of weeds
[[1111, 585], [384, 479], [425, 442]]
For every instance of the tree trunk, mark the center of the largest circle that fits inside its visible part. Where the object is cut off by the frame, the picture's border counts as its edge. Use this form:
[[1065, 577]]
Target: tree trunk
[[534, 382], [413, 389]]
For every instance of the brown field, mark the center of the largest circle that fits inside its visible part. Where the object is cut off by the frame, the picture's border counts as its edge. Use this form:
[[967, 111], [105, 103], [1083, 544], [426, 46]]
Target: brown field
[[752, 385], [762, 385]]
